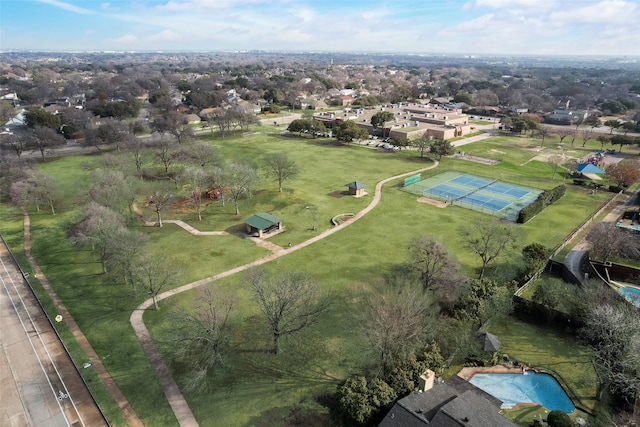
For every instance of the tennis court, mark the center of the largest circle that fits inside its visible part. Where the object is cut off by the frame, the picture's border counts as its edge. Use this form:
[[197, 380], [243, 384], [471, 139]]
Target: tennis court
[[476, 193]]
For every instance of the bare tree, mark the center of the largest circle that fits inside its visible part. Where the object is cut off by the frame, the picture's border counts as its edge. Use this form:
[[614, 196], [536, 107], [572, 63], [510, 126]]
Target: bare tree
[[613, 330], [624, 173], [563, 132], [281, 167], [245, 119], [111, 188], [137, 147], [395, 323], [153, 274], [607, 240], [237, 178], [18, 141], [202, 334], [159, 201], [587, 135], [197, 183], [489, 239], [542, 132], [110, 132], [225, 119], [423, 144], [100, 227], [290, 301], [556, 161], [35, 188], [431, 260], [603, 140], [172, 123], [201, 154], [126, 248], [167, 151], [45, 138]]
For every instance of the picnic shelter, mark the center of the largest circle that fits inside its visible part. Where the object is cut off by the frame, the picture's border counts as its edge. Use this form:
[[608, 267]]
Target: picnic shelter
[[262, 223]]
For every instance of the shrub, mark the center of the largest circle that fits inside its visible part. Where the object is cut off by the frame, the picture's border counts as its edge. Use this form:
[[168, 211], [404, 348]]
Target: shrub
[[544, 199], [359, 400], [615, 189], [558, 418]]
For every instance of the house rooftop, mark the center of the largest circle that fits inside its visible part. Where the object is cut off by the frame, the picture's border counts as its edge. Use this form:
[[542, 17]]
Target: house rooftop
[[456, 403]]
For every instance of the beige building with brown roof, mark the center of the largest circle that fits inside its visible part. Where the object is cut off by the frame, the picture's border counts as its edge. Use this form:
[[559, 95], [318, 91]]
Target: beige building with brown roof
[[411, 121]]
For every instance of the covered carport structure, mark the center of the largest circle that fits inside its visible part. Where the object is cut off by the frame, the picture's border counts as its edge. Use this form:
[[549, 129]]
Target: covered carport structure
[[262, 223]]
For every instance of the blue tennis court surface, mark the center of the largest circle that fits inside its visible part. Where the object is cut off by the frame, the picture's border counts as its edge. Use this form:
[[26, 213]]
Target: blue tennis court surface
[[469, 181], [486, 202], [444, 190], [507, 190], [481, 194]]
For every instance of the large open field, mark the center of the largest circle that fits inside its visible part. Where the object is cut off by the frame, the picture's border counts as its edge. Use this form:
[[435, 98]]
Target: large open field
[[255, 387]]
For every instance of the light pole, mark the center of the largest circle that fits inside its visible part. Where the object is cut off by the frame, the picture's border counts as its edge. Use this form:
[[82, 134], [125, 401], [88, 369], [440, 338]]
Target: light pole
[[314, 213]]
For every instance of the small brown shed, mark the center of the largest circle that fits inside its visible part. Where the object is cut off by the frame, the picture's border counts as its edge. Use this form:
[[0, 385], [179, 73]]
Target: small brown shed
[[356, 188]]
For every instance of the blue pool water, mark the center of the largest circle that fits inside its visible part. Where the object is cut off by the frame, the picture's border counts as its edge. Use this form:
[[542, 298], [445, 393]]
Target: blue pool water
[[631, 294], [530, 387]]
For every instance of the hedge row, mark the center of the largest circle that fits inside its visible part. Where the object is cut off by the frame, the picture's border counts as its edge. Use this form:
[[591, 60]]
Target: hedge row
[[545, 199]]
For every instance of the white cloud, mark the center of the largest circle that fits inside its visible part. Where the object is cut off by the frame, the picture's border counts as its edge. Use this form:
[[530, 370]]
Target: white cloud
[[67, 6], [196, 5], [612, 12], [506, 4], [485, 26], [126, 40]]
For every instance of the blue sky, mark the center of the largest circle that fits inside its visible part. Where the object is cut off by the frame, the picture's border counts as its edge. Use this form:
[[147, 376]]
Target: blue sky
[[535, 27]]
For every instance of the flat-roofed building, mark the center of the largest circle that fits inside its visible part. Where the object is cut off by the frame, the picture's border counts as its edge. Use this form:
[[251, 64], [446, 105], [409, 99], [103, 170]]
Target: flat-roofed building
[[411, 121]]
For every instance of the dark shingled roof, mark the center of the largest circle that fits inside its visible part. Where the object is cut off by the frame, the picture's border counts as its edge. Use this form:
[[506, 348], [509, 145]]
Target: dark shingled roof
[[489, 342], [262, 221], [455, 403]]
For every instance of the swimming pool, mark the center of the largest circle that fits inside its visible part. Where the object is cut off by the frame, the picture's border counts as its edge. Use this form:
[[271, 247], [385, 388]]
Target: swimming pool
[[530, 387], [631, 294]]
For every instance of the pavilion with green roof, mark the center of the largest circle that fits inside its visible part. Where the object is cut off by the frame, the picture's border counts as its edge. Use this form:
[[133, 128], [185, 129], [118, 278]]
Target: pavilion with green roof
[[356, 188], [262, 223]]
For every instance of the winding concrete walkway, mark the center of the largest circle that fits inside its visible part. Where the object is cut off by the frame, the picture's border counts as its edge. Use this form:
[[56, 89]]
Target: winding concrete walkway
[[170, 387]]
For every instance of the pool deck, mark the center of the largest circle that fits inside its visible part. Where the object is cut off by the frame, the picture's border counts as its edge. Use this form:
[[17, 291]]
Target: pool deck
[[468, 373]]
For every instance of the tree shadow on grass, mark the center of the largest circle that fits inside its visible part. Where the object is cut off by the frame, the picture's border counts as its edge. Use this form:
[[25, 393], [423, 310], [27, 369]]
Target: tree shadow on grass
[[291, 417], [338, 194]]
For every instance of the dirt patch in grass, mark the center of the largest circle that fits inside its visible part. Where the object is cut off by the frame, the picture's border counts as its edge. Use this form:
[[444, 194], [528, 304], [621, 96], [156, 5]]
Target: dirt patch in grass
[[432, 202]]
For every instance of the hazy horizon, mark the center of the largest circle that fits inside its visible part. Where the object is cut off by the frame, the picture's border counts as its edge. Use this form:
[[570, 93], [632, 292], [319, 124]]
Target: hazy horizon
[[601, 28]]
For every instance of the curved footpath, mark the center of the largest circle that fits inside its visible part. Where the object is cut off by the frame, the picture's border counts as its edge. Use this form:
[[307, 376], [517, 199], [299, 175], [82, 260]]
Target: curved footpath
[[170, 387]]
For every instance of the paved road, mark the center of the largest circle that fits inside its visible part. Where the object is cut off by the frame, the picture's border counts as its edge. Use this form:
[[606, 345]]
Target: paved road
[[39, 384]]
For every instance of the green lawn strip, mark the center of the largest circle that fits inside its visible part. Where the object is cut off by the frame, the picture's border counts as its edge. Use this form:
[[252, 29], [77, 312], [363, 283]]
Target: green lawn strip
[[102, 311], [552, 351], [12, 230]]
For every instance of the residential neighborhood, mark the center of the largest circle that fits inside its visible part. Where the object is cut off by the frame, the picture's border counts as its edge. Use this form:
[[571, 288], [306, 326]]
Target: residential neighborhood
[[319, 214]]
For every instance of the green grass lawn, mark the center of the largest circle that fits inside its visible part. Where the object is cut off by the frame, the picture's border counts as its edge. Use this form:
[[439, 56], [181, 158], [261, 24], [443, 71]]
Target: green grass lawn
[[255, 385]]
